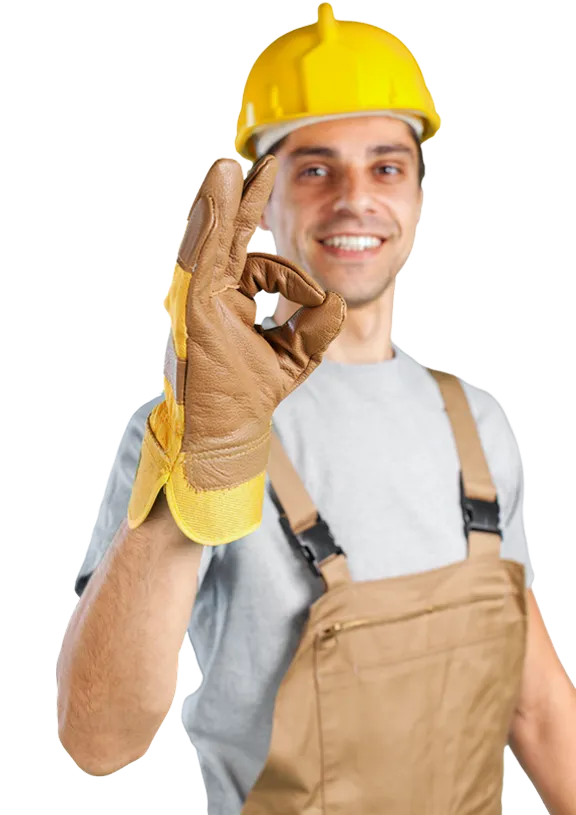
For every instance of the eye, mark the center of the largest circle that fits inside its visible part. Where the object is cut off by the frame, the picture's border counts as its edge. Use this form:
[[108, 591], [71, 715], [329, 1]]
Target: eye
[[388, 167], [312, 171], [313, 168]]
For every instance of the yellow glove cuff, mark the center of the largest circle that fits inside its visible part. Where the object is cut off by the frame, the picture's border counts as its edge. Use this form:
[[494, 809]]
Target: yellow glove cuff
[[209, 517]]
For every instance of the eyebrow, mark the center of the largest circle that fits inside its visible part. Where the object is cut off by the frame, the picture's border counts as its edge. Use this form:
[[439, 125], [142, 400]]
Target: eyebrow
[[328, 152]]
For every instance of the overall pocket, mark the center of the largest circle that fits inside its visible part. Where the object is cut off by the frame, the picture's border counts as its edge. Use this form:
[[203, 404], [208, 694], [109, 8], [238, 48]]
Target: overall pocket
[[394, 696]]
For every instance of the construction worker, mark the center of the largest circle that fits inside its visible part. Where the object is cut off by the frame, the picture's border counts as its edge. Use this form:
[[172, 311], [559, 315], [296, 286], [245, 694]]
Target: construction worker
[[338, 528]]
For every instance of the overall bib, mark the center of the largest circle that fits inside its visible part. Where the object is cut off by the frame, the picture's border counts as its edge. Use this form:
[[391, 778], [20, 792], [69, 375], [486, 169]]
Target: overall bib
[[401, 693]]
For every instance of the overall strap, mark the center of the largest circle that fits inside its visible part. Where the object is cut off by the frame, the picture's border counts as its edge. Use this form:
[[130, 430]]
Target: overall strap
[[301, 520], [477, 491], [305, 528]]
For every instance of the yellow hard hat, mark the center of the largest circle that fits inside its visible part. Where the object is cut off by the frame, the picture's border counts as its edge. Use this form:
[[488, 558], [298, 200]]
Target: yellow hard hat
[[330, 69]]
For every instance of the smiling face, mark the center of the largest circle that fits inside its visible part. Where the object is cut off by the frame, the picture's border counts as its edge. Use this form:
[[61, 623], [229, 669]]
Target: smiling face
[[346, 203]]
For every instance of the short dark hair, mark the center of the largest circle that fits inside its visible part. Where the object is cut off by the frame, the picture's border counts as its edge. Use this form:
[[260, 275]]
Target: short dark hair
[[421, 168]]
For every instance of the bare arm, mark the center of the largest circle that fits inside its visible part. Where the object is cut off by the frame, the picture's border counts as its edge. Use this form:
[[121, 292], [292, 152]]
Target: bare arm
[[543, 732], [118, 664]]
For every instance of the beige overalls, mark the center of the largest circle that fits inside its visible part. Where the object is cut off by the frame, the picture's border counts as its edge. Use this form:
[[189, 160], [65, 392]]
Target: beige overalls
[[400, 695]]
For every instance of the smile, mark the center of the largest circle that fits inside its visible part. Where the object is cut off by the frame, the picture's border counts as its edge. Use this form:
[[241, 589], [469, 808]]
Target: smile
[[352, 247]]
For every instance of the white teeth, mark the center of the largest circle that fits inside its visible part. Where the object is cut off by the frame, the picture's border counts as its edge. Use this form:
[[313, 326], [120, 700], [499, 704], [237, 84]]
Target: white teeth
[[353, 242]]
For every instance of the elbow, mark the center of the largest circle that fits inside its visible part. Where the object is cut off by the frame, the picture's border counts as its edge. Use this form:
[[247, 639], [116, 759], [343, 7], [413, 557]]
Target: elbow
[[95, 760]]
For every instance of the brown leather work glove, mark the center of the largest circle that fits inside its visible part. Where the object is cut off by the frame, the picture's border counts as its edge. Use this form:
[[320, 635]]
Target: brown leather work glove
[[208, 441]]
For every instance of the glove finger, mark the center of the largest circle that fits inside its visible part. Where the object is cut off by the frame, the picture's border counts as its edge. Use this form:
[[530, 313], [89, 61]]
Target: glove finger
[[271, 273], [205, 247], [257, 189], [302, 340]]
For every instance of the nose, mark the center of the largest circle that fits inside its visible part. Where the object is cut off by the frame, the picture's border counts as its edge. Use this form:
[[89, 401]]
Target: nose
[[355, 193]]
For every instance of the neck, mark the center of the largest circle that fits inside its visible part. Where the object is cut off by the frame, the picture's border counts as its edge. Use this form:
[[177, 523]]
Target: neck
[[366, 334]]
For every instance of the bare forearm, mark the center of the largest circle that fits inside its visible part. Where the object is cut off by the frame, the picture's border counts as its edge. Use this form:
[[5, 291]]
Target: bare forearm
[[117, 669], [545, 746]]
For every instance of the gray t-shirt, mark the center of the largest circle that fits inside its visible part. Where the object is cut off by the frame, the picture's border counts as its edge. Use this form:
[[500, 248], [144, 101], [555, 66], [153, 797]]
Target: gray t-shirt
[[375, 450]]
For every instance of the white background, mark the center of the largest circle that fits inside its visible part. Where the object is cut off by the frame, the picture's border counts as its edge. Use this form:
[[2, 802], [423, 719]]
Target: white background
[[113, 112]]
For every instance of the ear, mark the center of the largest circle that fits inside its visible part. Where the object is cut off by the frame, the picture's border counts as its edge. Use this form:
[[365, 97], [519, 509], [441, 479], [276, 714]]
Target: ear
[[264, 219], [421, 196]]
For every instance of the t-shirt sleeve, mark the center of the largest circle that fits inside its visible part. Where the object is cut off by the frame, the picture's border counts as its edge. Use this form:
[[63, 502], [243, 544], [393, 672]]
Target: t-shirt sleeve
[[514, 542], [505, 464], [117, 494]]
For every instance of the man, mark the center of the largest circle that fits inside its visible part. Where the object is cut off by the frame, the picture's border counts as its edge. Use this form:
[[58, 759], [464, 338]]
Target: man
[[344, 208]]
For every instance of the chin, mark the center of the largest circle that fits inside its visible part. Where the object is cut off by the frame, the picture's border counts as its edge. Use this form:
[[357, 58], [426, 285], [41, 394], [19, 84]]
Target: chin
[[355, 293]]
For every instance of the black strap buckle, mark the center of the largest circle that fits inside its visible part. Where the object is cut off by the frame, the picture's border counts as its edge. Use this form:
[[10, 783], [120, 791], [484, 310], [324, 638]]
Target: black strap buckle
[[316, 542], [479, 515]]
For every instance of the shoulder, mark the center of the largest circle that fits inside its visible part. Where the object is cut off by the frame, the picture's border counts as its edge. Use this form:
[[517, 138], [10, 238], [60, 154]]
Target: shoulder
[[490, 417], [498, 443], [137, 422], [117, 493], [488, 413], [500, 449], [491, 420]]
